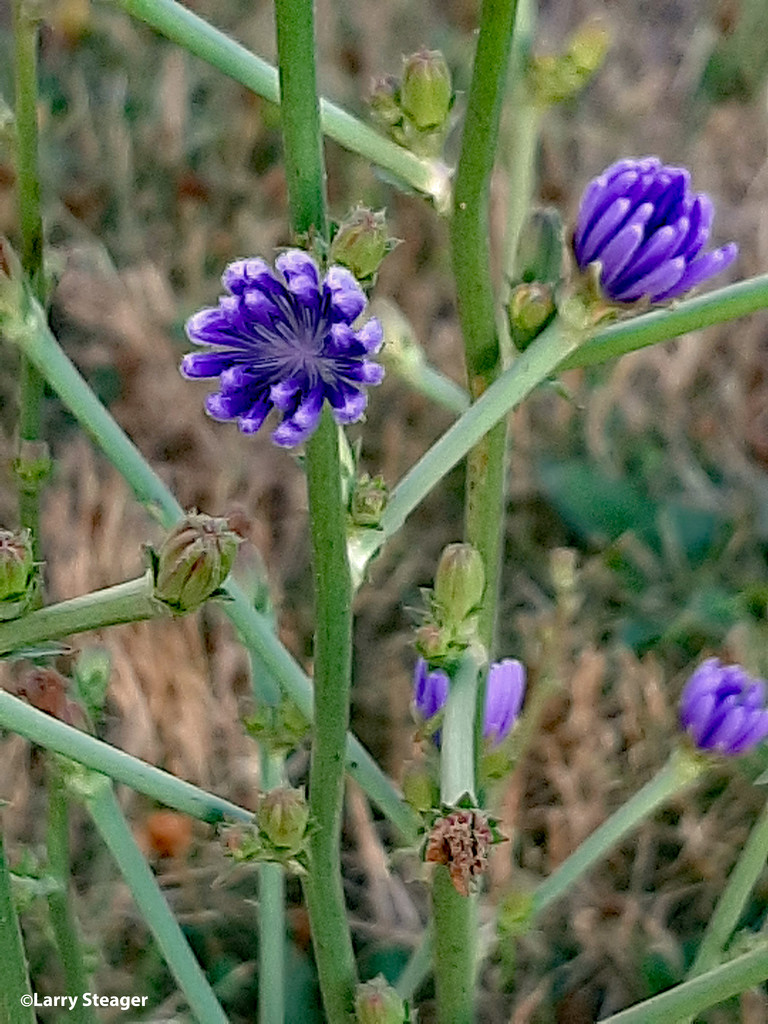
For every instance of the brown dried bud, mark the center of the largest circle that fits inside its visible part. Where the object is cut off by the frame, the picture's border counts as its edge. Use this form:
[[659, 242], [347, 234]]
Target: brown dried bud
[[461, 841]]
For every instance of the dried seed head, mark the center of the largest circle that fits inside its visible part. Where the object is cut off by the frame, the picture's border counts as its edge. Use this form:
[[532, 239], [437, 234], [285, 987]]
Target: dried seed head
[[461, 841]]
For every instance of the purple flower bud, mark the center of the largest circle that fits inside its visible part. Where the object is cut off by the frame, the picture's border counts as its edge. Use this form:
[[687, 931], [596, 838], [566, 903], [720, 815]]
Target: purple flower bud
[[648, 230], [283, 339], [430, 690], [504, 691], [723, 709]]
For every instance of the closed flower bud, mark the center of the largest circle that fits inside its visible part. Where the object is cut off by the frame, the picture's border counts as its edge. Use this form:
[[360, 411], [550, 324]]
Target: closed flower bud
[[531, 307], [376, 1002], [723, 709], [383, 101], [193, 561], [430, 690], [459, 582], [361, 242], [369, 499], [426, 91], [504, 692], [17, 573], [283, 816]]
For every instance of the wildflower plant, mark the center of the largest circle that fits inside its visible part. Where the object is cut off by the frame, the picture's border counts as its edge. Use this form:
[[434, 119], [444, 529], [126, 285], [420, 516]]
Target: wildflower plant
[[292, 339]]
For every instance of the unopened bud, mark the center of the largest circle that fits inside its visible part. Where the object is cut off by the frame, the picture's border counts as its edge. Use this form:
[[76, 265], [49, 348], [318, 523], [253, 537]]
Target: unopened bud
[[383, 101], [283, 816], [361, 242], [531, 307], [17, 573], [426, 91], [376, 1002], [369, 499], [459, 582], [193, 561], [588, 46]]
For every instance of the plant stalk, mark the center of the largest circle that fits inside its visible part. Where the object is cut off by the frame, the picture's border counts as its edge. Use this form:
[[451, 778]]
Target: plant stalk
[[271, 914], [113, 828], [331, 939], [15, 991]]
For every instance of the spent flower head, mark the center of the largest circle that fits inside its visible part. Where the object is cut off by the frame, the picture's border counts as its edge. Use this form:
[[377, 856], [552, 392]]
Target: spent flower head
[[647, 229], [284, 339], [723, 709]]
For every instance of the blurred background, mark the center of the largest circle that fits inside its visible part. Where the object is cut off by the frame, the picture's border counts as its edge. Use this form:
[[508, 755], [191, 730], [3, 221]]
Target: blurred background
[[646, 489]]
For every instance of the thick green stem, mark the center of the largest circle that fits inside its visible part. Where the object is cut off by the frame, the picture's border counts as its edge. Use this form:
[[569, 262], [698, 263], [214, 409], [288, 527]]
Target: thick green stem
[[125, 602], [113, 828], [455, 915], [271, 914], [181, 26], [302, 140], [63, 920], [683, 768], [15, 992], [254, 628], [333, 665], [31, 226], [49, 732], [471, 257], [690, 998], [455, 918], [730, 906]]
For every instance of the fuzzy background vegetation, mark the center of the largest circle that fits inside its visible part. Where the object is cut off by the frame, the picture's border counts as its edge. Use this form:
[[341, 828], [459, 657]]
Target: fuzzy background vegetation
[[156, 172]]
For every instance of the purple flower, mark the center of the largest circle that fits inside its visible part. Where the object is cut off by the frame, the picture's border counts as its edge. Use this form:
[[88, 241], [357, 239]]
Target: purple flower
[[430, 690], [504, 691], [723, 709], [641, 220], [284, 339]]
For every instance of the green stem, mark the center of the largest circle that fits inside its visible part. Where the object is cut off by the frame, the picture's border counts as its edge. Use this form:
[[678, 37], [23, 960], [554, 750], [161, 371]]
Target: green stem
[[271, 915], [729, 907], [181, 26], [31, 226], [126, 602], [519, 143], [323, 886], [52, 734], [471, 258], [113, 828], [418, 967], [14, 979], [683, 768], [690, 998], [454, 915], [333, 665], [65, 928], [455, 924], [254, 628]]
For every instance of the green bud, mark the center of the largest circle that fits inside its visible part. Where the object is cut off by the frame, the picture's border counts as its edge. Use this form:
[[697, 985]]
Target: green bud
[[376, 1002], [426, 92], [17, 573], [540, 248], [459, 583], [383, 101], [554, 79], [530, 309], [283, 816], [361, 242], [193, 561], [369, 499], [588, 46], [91, 673]]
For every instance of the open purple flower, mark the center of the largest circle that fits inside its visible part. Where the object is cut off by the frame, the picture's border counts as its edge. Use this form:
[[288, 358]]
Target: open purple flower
[[723, 709], [284, 339], [504, 691], [647, 229]]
